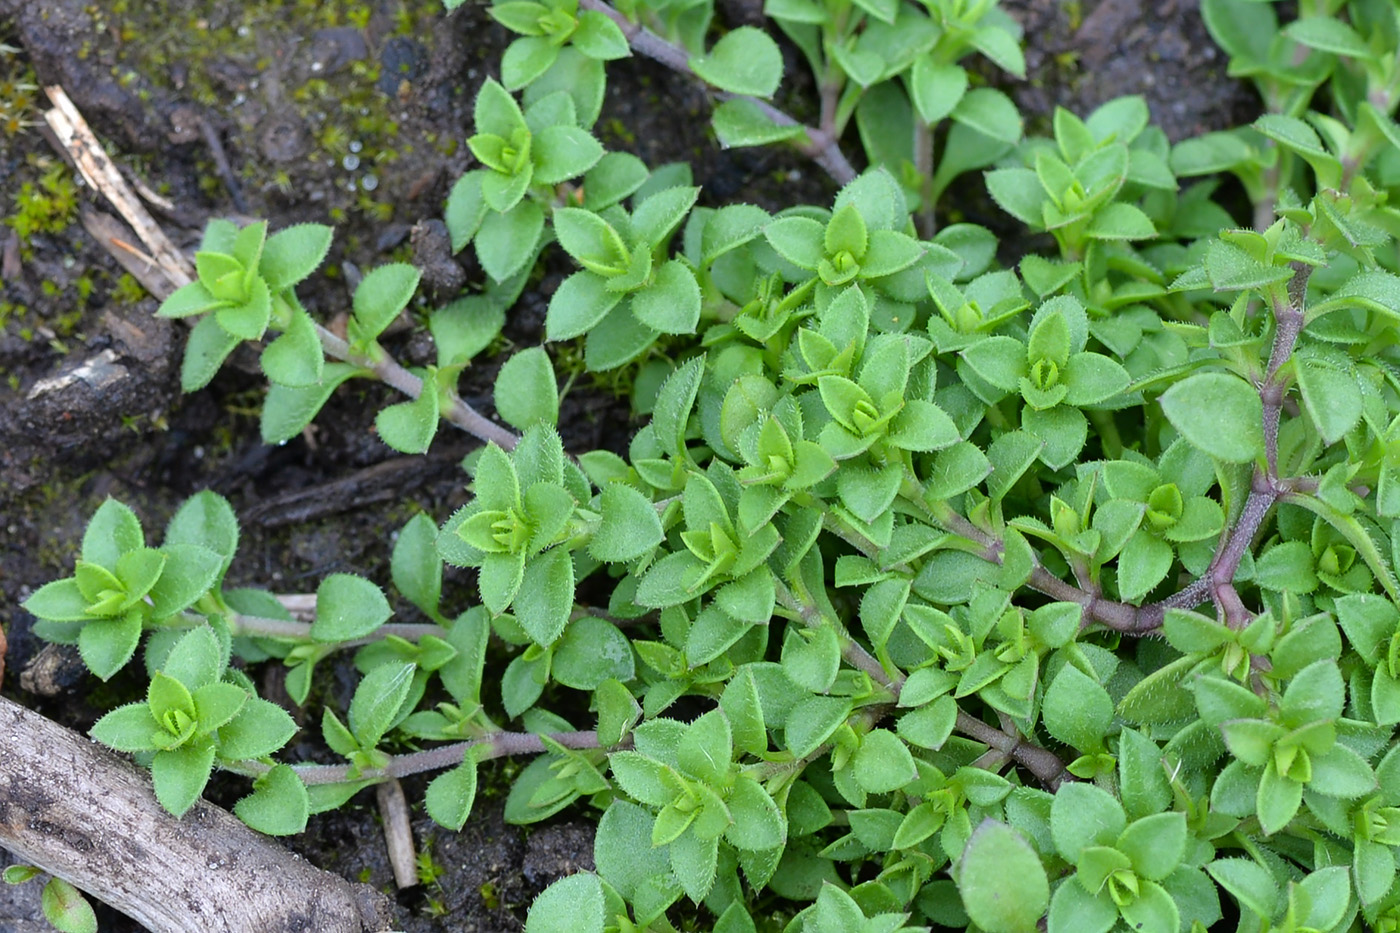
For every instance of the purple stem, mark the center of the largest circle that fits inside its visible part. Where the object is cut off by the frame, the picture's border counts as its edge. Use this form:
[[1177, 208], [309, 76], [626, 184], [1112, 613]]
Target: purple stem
[[819, 145]]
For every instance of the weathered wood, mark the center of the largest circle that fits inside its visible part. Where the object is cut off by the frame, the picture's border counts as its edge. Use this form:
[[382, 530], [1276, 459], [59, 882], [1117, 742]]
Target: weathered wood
[[83, 813]]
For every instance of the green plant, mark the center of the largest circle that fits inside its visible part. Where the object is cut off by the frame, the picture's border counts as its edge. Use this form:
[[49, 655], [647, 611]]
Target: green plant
[[901, 521], [64, 906], [46, 206]]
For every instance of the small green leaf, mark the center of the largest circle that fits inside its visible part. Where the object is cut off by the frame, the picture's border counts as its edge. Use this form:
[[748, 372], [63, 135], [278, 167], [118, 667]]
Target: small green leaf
[[450, 795], [1155, 844], [506, 242], [1249, 882], [629, 527], [1003, 884], [288, 410], [1217, 413], [127, 728], [260, 728], [1331, 393], [1278, 800], [180, 774], [578, 305], [1142, 564], [1083, 815], [19, 874], [107, 644], [599, 37], [546, 595], [188, 300], [279, 804], [66, 909], [295, 358], [59, 601], [936, 88], [1328, 34], [1119, 221], [188, 573], [573, 904], [590, 652], [205, 351], [1019, 192], [991, 113], [381, 295], [377, 701], [526, 390], [741, 122], [216, 704], [415, 566], [348, 607], [293, 253], [671, 303], [812, 721], [1077, 710], [883, 762], [563, 152], [745, 61]]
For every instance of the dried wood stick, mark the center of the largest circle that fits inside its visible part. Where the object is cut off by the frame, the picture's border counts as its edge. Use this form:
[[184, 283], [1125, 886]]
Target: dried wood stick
[[99, 171], [84, 814]]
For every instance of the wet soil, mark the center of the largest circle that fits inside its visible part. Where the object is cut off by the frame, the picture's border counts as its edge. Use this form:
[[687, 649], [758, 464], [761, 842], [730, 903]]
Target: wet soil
[[353, 113]]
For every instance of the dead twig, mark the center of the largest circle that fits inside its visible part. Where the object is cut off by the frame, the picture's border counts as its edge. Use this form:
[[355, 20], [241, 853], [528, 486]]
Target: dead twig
[[86, 815], [103, 175], [398, 832]]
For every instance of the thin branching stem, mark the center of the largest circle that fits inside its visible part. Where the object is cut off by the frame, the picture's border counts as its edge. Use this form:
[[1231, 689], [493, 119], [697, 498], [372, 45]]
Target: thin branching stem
[[817, 143], [493, 745], [288, 630], [1266, 488], [389, 371], [1043, 763]]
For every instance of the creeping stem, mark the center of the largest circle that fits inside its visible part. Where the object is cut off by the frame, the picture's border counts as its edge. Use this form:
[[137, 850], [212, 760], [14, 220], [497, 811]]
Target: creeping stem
[[390, 372], [1041, 762], [818, 143], [492, 745], [1266, 488]]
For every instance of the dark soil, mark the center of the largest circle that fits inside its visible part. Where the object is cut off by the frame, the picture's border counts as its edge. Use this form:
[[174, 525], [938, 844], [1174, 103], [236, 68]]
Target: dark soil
[[351, 112]]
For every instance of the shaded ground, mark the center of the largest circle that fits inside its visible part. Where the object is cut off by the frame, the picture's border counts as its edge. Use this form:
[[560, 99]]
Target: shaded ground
[[353, 113]]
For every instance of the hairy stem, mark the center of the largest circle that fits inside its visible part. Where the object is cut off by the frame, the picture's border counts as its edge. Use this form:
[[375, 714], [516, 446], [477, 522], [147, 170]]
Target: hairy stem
[[1266, 488], [1217, 584], [388, 370], [260, 627], [494, 745], [1041, 762], [923, 168], [819, 144]]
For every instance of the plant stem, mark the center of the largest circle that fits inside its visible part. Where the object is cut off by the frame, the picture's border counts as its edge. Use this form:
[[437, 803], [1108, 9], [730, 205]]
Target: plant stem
[[259, 627], [495, 745], [819, 144], [1041, 762], [923, 169], [1266, 488], [388, 370], [1113, 614]]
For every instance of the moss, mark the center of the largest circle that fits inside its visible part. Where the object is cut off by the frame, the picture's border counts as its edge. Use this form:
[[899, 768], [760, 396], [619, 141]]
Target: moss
[[350, 113], [127, 291], [18, 88], [46, 205]]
